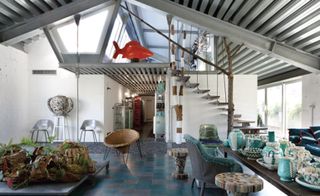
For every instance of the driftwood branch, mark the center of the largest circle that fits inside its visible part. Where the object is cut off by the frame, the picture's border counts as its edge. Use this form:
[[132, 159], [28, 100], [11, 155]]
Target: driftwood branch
[[176, 43], [230, 87]]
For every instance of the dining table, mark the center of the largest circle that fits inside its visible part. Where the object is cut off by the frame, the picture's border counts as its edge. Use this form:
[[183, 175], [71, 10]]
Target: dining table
[[289, 188]]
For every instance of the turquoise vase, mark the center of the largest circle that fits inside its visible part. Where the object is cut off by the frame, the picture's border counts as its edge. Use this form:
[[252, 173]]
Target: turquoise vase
[[236, 139], [287, 169]]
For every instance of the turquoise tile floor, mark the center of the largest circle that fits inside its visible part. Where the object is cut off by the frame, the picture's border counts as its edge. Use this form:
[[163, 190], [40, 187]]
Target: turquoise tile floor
[[150, 175]]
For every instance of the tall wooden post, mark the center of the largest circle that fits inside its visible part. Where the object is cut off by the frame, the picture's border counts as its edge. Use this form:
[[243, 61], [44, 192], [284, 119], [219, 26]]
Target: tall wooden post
[[230, 88], [230, 83]]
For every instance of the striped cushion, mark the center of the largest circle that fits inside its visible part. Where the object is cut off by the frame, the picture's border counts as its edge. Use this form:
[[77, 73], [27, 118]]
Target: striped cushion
[[294, 139], [316, 132], [314, 149], [307, 138], [297, 131]]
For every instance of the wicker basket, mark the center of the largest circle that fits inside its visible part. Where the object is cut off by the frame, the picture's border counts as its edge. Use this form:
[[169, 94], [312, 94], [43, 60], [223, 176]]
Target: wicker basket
[[121, 139]]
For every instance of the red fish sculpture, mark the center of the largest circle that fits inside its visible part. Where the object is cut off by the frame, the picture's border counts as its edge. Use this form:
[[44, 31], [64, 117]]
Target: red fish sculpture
[[132, 50]]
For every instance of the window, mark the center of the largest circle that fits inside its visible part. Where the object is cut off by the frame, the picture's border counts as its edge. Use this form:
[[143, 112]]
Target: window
[[274, 109], [279, 107], [261, 107], [120, 35], [293, 95]]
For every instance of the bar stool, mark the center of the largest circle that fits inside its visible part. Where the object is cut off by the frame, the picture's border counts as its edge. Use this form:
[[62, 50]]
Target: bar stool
[[88, 125]]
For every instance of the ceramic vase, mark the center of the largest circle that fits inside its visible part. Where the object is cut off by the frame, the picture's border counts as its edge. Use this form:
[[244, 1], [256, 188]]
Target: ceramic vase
[[271, 153], [254, 142], [236, 139], [287, 169]]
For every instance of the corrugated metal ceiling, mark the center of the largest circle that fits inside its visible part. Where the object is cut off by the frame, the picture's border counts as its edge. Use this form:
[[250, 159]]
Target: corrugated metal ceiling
[[141, 80], [15, 12], [292, 22]]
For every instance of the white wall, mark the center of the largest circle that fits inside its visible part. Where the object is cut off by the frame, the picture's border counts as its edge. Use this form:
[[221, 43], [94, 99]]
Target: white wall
[[13, 93], [114, 95], [310, 95], [197, 111], [23, 96]]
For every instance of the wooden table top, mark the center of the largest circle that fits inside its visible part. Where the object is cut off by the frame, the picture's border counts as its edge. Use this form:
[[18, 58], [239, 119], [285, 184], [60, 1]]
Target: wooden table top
[[239, 182], [178, 152], [253, 128], [290, 188]]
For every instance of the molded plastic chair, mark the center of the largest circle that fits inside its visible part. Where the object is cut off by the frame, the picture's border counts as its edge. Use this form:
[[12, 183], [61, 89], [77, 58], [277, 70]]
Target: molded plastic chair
[[204, 166], [88, 125], [43, 125]]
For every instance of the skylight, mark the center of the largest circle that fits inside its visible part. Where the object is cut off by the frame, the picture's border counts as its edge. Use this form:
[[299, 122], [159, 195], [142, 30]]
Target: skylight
[[90, 31], [120, 35]]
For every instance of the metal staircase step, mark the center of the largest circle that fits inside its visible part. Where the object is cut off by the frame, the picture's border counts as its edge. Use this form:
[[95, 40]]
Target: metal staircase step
[[191, 85], [176, 72], [201, 91], [235, 116], [223, 109], [183, 79], [245, 123], [210, 97], [219, 103]]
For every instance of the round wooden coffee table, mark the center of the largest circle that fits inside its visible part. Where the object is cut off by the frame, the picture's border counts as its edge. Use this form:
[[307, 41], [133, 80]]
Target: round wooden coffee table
[[180, 155], [238, 183]]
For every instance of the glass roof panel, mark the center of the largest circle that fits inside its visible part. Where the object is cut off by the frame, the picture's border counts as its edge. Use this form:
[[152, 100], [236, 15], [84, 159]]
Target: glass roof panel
[[120, 35], [90, 31]]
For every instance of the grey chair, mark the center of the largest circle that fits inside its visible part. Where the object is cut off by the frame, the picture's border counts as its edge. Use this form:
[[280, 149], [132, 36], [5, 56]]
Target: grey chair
[[42, 125], [204, 166], [88, 125]]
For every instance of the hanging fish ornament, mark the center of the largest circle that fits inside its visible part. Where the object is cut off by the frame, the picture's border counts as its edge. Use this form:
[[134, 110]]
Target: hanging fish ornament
[[132, 50]]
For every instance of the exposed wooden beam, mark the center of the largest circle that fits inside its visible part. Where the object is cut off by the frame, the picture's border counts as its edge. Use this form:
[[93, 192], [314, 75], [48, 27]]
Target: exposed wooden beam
[[50, 17], [236, 34]]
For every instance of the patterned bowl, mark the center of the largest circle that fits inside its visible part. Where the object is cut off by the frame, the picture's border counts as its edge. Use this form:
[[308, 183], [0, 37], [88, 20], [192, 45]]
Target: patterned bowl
[[311, 174], [251, 153]]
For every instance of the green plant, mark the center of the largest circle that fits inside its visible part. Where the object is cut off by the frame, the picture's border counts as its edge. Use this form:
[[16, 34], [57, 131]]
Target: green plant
[[51, 138], [27, 142], [9, 148]]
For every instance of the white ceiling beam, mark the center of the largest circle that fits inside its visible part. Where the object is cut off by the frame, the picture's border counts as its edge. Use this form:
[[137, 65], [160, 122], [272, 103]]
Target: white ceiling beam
[[50, 17], [109, 26], [116, 65], [137, 25], [236, 34], [23, 37], [53, 44]]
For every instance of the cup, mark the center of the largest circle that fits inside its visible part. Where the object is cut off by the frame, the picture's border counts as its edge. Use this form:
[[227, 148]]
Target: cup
[[287, 169], [271, 136]]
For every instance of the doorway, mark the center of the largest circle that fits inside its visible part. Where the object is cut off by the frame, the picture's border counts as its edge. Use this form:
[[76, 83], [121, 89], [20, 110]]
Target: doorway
[[143, 115]]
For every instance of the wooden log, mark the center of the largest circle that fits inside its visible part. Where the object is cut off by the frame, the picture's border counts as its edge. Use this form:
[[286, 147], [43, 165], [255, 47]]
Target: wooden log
[[230, 87]]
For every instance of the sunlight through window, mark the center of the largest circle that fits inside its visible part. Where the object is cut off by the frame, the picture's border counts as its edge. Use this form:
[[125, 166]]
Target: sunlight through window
[[90, 31]]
